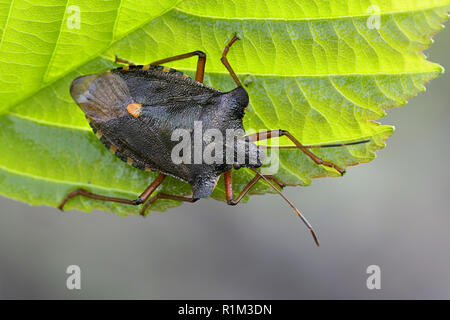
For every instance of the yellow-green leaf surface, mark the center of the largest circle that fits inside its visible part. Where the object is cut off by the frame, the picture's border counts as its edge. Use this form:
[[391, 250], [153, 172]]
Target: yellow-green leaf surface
[[319, 69]]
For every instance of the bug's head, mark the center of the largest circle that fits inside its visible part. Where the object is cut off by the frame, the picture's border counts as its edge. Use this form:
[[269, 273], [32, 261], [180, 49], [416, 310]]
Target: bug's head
[[247, 155]]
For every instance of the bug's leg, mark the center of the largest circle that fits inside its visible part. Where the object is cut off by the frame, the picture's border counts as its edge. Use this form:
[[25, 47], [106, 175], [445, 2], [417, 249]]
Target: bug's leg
[[120, 60], [165, 196], [141, 199], [227, 64], [279, 133], [258, 176], [200, 63], [278, 182], [229, 187], [228, 178]]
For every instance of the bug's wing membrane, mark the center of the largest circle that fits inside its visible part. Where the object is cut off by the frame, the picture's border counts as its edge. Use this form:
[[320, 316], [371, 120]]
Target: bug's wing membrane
[[102, 97]]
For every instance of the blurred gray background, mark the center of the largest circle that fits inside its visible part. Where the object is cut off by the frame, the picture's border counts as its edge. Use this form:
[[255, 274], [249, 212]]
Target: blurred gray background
[[393, 212]]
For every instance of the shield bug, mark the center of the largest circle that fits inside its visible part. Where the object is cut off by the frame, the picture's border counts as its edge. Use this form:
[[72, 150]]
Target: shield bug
[[134, 111]]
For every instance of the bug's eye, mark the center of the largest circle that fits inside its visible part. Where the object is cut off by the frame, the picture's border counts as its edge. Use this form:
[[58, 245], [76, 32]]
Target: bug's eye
[[237, 166]]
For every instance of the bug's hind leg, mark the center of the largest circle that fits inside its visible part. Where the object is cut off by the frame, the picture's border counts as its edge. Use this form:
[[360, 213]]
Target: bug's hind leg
[[166, 196], [141, 199], [120, 60], [200, 63], [227, 64], [305, 149]]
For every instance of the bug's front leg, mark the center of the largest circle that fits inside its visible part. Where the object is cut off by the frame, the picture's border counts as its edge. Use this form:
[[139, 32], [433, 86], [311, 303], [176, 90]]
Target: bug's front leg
[[258, 176], [228, 179], [305, 149]]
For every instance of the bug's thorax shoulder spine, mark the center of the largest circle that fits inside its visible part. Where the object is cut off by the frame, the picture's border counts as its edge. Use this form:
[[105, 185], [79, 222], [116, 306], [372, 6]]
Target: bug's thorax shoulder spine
[[167, 72]]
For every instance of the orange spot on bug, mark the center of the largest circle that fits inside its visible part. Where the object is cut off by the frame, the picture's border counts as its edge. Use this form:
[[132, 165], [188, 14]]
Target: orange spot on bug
[[134, 109], [146, 67]]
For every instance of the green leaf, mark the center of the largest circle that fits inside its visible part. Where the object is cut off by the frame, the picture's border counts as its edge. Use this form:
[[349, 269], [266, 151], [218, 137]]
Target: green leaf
[[313, 68]]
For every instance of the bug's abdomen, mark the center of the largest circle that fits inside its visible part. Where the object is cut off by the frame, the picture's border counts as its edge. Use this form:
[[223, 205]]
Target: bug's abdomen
[[117, 151], [137, 145]]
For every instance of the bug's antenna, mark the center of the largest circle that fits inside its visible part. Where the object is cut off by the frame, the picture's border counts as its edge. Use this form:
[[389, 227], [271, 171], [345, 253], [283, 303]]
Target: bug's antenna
[[339, 144], [308, 225], [319, 146]]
